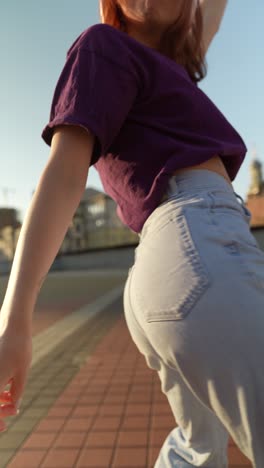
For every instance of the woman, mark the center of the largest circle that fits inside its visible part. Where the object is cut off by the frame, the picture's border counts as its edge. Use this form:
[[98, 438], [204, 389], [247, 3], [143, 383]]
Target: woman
[[127, 101]]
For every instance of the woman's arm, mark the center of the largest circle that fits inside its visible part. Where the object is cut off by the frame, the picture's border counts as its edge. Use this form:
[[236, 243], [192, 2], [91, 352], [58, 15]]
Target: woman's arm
[[212, 12], [48, 217]]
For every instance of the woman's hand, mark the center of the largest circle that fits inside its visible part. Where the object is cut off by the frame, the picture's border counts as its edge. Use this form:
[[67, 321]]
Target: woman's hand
[[15, 361]]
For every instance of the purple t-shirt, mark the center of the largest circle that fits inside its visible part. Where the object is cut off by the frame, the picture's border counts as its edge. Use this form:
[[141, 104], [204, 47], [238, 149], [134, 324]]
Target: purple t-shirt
[[148, 117]]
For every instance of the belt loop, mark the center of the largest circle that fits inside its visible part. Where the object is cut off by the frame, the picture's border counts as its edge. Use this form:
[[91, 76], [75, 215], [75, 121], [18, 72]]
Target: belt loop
[[243, 206], [238, 196]]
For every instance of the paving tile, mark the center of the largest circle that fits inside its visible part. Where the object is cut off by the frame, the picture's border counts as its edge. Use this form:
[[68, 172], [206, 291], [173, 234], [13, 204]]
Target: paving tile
[[50, 424], [39, 440], [153, 453], [6, 456], [25, 424], [140, 409], [106, 423], [95, 457], [27, 459], [70, 439], [138, 398], [84, 410], [66, 401], [44, 401], [157, 436], [130, 457], [34, 413], [237, 457], [135, 422], [115, 399], [59, 411], [11, 440], [78, 424], [109, 412], [101, 439], [132, 439], [160, 398], [60, 458], [160, 409], [160, 421]]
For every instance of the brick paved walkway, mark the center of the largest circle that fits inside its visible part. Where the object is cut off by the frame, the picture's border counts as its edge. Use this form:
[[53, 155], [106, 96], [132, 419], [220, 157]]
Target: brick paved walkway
[[112, 414], [92, 402]]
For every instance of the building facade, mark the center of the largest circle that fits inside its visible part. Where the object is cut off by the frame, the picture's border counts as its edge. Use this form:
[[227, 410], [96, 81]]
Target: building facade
[[95, 223]]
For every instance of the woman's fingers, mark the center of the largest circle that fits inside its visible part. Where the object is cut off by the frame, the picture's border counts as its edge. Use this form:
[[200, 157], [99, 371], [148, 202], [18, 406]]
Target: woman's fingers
[[5, 396], [17, 388], [8, 409]]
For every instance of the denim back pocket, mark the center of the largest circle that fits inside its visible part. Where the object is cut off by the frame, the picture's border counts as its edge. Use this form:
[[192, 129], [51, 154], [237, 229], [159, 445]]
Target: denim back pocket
[[169, 276]]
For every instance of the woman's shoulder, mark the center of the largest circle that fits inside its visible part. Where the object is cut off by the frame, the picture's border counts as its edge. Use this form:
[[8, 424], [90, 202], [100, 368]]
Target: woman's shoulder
[[100, 37]]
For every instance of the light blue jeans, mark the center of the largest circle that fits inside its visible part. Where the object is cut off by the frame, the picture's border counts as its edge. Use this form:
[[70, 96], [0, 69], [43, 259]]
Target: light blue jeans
[[194, 306]]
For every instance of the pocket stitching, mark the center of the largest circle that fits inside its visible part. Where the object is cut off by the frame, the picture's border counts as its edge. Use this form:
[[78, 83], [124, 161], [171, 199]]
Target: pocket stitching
[[185, 304]]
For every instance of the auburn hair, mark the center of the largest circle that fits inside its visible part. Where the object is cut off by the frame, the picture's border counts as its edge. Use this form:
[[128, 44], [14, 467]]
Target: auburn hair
[[179, 42]]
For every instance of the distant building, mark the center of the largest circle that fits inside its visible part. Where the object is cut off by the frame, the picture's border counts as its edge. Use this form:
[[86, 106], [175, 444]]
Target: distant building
[[96, 224], [255, 201], [255, 194], [9, 232]]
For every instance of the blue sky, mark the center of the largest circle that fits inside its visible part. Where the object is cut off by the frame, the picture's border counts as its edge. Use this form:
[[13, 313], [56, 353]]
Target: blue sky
[[34, 39]]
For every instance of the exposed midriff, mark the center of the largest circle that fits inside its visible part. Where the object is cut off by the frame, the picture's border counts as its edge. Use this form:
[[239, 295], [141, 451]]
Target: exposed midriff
[[214, 164]]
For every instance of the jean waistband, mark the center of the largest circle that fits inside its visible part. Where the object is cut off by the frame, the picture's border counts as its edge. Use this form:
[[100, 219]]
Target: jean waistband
[[195, 181]]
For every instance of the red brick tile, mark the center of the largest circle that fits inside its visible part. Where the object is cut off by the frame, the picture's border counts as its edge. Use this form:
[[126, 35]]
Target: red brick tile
[[82, 380], [125, 387], [50, 424], [27, 459], [160, 398], [99, 458], [115, 399], [136, 422], [101, 439], [153, 454], [60, 458], [106, 423], [101, 381], [121, 381], [157, 437], [138, 398], [111, 410], [137, 409], [128, 457], [161, 408], [95, 391], [71, 392], [231, 441], [59, 411], [38, 440], [167, 421], [66, 400], [78, 424], [141, 388], [70, 440], [85, 410], [118, 389], [132, 438], [90, 399], [95, 386], [237, 458]]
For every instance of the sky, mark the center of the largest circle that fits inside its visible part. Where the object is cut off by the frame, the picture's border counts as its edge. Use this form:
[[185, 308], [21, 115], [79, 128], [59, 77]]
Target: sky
[[35, 37]]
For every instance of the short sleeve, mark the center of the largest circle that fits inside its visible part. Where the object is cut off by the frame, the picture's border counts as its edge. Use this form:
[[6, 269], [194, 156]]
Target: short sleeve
[[95, 92]]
